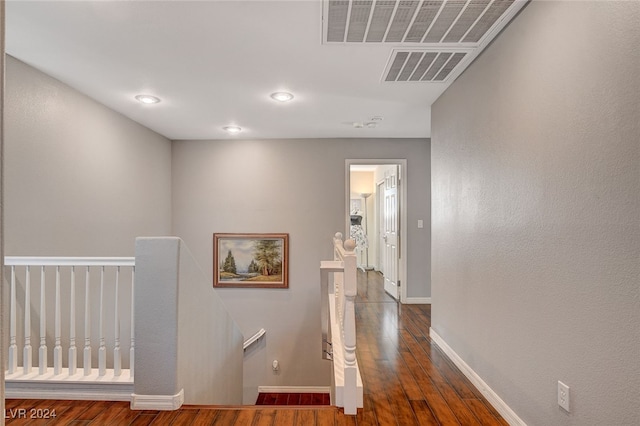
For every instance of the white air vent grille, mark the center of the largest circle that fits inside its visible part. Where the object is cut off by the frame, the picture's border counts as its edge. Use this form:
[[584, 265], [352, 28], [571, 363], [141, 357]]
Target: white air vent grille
[[411, 21], [422, 65]]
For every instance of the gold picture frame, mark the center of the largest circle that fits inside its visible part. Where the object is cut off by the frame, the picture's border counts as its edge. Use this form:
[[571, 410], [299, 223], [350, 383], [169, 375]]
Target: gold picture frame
[[251, 260]]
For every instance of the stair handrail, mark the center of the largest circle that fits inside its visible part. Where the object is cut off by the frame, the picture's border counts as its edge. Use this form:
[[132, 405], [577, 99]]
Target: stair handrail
[[254, 339]]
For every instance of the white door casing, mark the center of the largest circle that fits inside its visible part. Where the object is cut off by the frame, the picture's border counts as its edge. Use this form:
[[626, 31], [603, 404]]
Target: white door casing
[[380, 226], [401, 216]]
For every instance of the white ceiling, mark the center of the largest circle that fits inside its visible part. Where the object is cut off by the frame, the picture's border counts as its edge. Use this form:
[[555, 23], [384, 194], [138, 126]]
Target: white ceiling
[[215, 63]]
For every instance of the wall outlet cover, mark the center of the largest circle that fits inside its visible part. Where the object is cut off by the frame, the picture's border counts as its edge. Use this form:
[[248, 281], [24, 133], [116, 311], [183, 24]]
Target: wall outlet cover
[[563, 396]]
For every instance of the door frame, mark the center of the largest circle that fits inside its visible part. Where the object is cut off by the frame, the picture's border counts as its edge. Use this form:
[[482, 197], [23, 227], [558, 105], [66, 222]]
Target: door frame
[[402, 261]]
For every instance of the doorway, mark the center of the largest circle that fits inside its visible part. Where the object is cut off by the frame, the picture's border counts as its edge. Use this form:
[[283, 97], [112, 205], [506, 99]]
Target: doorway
[[376, 213]]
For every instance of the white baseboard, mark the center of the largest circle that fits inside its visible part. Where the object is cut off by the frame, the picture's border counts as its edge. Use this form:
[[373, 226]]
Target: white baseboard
[[70, 394], [157, 402], [509, 415], [294, 389], [417, 301], [63, 386]]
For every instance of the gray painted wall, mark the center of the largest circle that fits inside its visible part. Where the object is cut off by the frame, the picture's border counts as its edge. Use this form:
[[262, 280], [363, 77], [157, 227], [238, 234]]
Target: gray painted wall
[[536, 206], [293, 186], [81, 179]]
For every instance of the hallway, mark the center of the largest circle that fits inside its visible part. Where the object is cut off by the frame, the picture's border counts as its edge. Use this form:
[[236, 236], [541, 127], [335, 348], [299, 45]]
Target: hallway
[[407, 381]]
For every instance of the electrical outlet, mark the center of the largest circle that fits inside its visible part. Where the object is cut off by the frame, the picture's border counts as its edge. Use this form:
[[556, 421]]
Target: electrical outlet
[[563, 395]]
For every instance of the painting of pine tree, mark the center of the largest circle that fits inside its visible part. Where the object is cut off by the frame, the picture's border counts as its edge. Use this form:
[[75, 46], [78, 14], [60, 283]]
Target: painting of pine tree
[[251, 260]]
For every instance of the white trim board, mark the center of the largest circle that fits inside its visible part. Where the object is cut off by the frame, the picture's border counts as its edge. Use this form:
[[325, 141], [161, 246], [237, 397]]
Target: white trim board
[[509, 415], [71, 394], [294, 389], [157, 402]]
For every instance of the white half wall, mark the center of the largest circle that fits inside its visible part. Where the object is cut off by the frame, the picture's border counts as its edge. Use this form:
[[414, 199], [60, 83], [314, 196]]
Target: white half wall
[[188, 348], [536, 213]]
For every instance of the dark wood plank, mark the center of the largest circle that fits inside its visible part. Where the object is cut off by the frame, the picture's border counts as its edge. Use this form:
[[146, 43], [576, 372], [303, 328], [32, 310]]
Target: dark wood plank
[[205, 417], [184, 418], [141, 420], [306, 417], [423, 412], [344, 420], [94, 409], [68, 415], [245, 417], [285, 417], [397, 398], [366, 415], [384, 414], [265, 417], [44, 411], [306, 399], [226, 417], [408, 382], [462, 412], [294, 399], [326, 417], [164, 418], [121, 415], [432, 396], [281, 399], [481, 411]]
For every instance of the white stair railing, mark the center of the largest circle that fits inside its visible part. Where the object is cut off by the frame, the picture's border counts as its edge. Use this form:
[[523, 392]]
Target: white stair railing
[[339, 324], [111, 298]]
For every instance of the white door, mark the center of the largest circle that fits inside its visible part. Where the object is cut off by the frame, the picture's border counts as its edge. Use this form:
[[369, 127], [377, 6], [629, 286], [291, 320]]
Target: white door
[[390, 220]]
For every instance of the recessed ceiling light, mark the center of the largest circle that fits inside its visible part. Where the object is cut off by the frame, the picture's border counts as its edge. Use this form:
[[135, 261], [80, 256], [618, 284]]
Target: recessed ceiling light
[[232, 129], [281, 96], [148, 99]]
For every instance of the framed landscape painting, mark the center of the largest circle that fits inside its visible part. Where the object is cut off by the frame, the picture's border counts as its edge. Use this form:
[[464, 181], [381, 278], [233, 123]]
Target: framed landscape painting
[[251, 260]]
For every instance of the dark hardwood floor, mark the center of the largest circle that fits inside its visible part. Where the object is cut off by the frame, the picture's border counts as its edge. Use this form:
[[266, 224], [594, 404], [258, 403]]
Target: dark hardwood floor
[[407, 381]]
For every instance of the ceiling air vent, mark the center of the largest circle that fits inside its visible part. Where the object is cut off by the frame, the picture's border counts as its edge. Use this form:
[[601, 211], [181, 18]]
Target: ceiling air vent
[[422, 65], [412, 21]]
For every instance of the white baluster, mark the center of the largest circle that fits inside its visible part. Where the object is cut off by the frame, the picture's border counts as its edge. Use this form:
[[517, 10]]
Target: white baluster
[[132, 351], [337, 242], [339, 294], [117, 357], [73, 357], [102, 350], [87, 326], [57, 350], [27, 353], [42, 354], [13, 347]]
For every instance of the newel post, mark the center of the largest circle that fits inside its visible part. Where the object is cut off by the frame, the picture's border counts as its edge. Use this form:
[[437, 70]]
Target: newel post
[[350, 292]]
